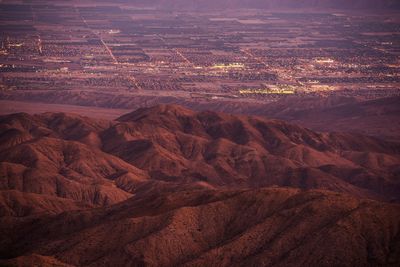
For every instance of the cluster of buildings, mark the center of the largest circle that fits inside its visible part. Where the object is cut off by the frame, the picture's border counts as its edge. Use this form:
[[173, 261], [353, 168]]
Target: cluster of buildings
[[254, 55]]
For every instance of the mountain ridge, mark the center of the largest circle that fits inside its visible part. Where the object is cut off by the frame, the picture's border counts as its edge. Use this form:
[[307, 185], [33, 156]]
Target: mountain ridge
[[169, 186], [264, 227], [107, 161]]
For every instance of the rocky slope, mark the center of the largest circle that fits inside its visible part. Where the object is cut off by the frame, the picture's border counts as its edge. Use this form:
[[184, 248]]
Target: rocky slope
[[103, 162], [333, 113], [265, 227], [168, 186], [174, 143], [376, 117], [57, 155]]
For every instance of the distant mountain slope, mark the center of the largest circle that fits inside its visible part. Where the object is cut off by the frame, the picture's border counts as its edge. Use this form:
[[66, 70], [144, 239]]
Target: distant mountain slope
[[265, 227], [173, 143], [101, 163], [57, 155], [168, 186], [378, 117], [315, 112]]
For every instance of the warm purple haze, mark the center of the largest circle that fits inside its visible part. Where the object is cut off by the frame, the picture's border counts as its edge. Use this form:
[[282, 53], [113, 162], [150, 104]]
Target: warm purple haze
[[270, 4], [199, 133]]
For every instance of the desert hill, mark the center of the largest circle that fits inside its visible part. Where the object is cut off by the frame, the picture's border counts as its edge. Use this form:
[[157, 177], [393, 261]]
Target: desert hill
[[228, 150], [264, 227], [377, 117], [39, 155], [169, 186], [104, 162], [373, 117], [20, 204]]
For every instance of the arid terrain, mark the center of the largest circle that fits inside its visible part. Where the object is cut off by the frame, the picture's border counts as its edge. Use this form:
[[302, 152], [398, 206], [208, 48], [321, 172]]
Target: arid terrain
[[375, 117], [169, 133], [168, 186]]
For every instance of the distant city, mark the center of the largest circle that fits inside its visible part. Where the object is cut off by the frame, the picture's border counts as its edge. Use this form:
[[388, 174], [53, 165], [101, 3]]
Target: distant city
[[241, 55]]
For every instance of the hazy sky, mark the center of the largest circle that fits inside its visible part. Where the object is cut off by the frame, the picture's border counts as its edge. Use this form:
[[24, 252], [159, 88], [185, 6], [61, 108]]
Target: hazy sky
[[341, 4]]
